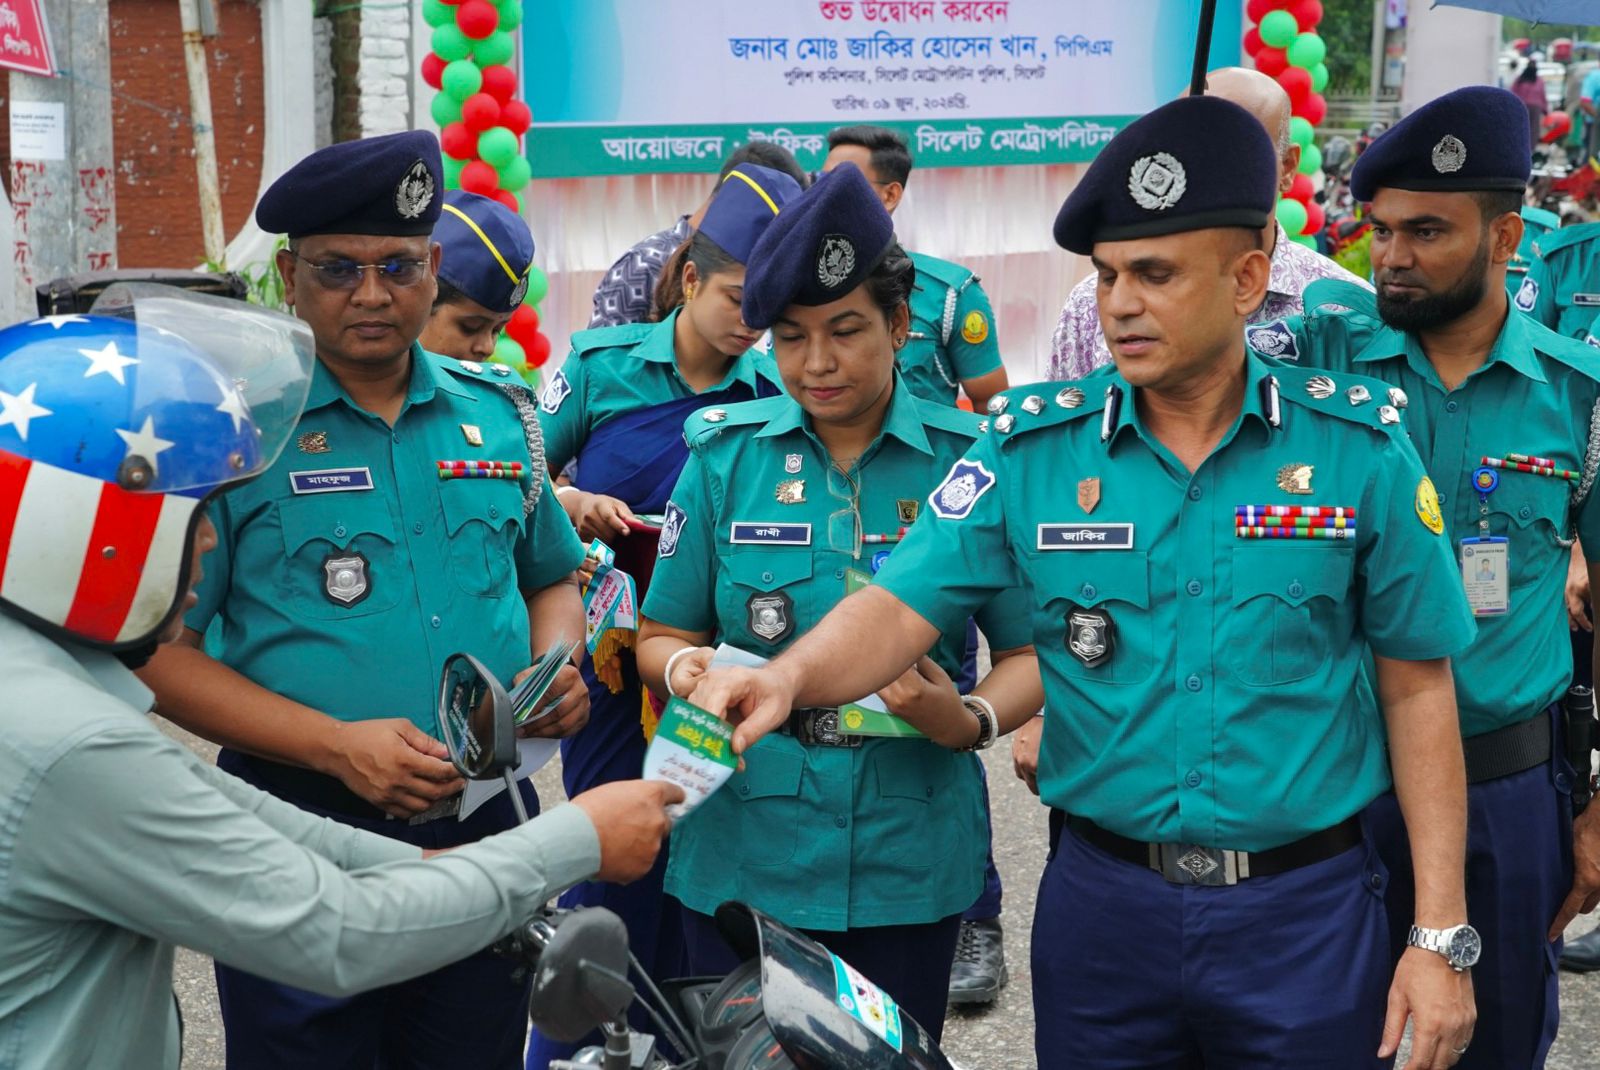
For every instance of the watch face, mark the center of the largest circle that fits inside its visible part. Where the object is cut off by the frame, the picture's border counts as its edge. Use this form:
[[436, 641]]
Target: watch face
[[1465, 947]]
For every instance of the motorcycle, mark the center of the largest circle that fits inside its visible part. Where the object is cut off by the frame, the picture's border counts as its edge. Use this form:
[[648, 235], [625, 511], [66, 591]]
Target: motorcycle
[[790, 1005]]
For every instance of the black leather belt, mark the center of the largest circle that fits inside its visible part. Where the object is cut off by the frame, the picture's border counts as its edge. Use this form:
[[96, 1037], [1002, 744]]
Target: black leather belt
[[820, 728], [1187, 863], [1512, 749], [328, 793]]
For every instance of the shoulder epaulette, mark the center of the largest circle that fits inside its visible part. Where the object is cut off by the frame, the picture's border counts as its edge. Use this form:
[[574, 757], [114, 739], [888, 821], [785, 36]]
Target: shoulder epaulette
[[942, 417], [1582, 357], [705, 425], [1359, 399], [1029, 408], [488, 373], [1567, 237], [623, 334], [950, 274]]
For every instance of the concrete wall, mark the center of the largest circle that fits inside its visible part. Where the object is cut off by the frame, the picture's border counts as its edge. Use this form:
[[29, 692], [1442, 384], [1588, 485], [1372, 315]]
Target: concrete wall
[[1446, 48], [386, 69]]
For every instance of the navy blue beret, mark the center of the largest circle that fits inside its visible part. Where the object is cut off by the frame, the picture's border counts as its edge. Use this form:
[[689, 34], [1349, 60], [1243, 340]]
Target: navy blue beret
[[487, 250], [1470, 139], [1193, 164], [385, 185], [824, 243], [746, 201]]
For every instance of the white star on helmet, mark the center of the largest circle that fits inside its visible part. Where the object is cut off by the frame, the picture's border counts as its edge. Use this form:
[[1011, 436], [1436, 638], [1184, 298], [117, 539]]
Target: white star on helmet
[[144, 443], [107, 361], [17, 409]]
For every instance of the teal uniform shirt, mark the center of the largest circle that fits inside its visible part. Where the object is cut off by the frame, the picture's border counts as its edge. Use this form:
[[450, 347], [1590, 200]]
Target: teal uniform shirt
[[1562, 288], [1536, 224], [1200, 687], [616, 370], [350, 600], [952, 331], [892, 832], [1534, 396]]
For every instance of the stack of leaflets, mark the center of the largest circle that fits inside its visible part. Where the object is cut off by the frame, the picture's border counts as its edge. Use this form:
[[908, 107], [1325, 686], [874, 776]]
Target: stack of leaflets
[[527, 697]]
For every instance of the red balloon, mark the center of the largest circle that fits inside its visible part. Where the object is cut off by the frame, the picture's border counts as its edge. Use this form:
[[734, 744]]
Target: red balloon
[[500, 82], [1307, 13], [516, 117], [458, 142], [1302, 190], [479, 112], [1313, 109], [505, 198], [477, 19], [523, 326], [432, 70], [1255, 9], [1253, 42], [539, 351], [1316, 218], [1272, 61], [480, 178], [1296, 81]]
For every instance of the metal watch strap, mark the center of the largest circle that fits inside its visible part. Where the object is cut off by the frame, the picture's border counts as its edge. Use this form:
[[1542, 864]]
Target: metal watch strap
[[1435, 940], [987, 726]]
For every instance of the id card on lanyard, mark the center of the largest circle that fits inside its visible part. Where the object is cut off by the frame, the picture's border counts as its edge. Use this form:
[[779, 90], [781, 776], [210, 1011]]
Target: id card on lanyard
[[1486, 559]]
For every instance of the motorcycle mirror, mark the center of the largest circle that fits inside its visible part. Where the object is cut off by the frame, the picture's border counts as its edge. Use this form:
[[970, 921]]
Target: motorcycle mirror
[[582, 979], [475, 720]]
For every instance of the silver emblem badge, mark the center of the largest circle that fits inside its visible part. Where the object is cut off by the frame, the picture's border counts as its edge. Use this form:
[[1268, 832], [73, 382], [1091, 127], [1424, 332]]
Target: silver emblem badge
[[983, 426], [997, 404], [836, 261], [1389, 414], [345, 579], [1090, 636], [792, 491], [1358, 395], [1320, 387], [1198, 864], [671, 528], [519, 292], [1449, 155], [501, 370], [1004, 424], [1157, 182], [415, 191], [1397, 397], [471, 366], [714, 416], [791, 463], [1070, 398], [771, 616], [1033, 404]]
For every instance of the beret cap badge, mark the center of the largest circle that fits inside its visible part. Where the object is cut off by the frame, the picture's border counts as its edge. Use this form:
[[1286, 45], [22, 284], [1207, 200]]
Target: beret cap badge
[[836, 260], [1157, 182], [414, 192], [1449, 155]]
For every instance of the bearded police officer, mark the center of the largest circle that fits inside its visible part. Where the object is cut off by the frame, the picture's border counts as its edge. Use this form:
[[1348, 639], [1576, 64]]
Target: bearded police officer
[[410, 520], [1212, 549], [1501, 411]]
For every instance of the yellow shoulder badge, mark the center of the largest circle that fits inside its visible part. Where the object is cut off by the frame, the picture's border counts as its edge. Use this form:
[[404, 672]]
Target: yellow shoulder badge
[[975, 328], [1428, 507]]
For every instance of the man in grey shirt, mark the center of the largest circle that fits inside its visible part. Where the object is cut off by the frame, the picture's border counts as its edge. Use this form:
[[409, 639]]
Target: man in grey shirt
[[115, 842]]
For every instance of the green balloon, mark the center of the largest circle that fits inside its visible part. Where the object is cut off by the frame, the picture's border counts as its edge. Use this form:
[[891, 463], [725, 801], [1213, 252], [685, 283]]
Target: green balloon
[[1319, 77], [452, 172], [510, 14], [450, 44], [538, 282], [1310, 160], [1307, 50], [437, 12], [1278, 28], [461, 79], [497, 147], [1301, 132], [445, 108], [1292, 215], [507, 350], [497, 48], [516, 174]]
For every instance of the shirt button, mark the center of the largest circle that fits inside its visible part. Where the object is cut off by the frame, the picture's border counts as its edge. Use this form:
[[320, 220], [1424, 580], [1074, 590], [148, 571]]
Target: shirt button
[[436, 622], [838, 573], [1194, 588], [1295, 590], [1192, 779], [1088, 590], [494, 511], [928, 792], [766, 577], [1563, 782], [1376, 880], [1525, 512], [1451, 406], [744, 789], [338, 532], [417, 527], [1194, 494], [841, 821], [1193, 683]]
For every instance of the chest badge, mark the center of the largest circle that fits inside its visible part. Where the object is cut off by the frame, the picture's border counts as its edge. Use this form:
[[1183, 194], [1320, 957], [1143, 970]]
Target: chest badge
[[1091, 636], [345, 578], [906, 509], [771, 616], [1295, 478], [313, 442], [791, 491], [1088, 494], [792, 463], [473, 434]]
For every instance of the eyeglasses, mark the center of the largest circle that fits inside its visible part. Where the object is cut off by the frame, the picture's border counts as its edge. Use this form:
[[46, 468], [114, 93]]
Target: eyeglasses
[[844, 525], [347, 274]]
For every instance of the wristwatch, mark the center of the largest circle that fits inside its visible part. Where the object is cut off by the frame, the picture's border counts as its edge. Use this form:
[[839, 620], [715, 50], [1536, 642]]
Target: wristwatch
[[979, 707], [1460, 944]]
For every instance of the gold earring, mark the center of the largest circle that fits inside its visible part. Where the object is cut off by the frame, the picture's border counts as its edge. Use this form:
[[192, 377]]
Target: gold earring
[[688, 295]]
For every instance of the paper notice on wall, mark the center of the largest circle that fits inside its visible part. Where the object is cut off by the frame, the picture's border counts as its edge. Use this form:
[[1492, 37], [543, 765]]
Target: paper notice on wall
[[38, 130]]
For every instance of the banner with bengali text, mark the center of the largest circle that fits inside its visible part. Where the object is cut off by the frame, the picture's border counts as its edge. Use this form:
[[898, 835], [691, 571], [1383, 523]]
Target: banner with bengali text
[[650, 86]]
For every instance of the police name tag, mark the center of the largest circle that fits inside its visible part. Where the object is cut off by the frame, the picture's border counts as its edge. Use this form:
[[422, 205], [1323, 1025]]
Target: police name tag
[[330, 480], [1484, 573], [770, 534], [1586, 300], [1085, 537]]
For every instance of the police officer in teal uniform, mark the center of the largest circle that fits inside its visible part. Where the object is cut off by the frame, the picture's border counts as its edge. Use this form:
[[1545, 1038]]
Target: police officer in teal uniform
[[1537, 225], [1210, 549], [410, 520], [873, 845], [486, 252], [1562, 287], [1500, 410], [951, 345]]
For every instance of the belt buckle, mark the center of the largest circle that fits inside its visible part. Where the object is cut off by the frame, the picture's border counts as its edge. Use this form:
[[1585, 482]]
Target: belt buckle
[[1190, 863], [821, 727]]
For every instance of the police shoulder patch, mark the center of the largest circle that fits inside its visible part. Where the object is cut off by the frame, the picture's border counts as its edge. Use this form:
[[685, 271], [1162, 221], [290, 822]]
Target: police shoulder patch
[[1275, 339], [1527, 294], [671, 530], [966, 482], [1428, 506], [556, 392]]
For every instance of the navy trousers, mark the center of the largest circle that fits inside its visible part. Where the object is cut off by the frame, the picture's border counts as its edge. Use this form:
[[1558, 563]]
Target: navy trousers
[[609, 748], [470, 1013], [1519, 869], [910, 962], [988, 904], [1130, 971]]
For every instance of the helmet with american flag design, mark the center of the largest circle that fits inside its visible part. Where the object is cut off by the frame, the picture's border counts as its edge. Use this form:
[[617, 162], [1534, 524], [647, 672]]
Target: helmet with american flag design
[[114, 432]]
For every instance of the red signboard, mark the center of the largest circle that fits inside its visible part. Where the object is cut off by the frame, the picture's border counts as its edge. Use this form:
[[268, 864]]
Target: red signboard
[[25, 39]]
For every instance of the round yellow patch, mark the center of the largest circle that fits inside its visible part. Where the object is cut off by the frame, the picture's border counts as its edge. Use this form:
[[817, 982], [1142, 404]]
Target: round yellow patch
[[853, 719], [1428, 507], [975, 328]]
